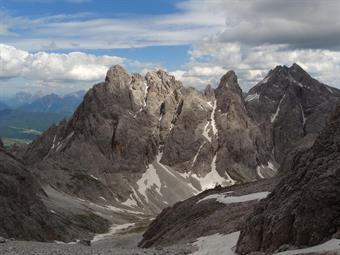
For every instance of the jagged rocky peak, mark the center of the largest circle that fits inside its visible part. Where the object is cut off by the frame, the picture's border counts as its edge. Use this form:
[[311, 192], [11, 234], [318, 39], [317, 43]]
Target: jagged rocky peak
[[209, 91], [290, 105], [117, 73], [229, 80]]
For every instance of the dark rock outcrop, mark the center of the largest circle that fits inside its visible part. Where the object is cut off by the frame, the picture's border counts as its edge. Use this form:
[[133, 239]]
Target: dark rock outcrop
[[289, 105], [22, 214], [199, 216], [304, 208]]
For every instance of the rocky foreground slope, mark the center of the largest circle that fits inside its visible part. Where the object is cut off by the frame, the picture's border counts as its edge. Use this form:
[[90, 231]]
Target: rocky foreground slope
[[24, 216], [304, 208], [219, 210]]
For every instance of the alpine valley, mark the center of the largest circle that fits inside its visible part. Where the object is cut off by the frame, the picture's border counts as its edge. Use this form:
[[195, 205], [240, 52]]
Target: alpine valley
[[144, 160]]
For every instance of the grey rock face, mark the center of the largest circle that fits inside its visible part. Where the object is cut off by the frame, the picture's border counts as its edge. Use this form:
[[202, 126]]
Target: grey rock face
[[304, 208], [288, 105], [134, 137], [240, 141]]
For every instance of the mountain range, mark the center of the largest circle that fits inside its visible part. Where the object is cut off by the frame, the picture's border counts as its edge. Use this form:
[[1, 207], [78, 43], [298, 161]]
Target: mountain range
[[139, 144], [30, 115], [54, 103]]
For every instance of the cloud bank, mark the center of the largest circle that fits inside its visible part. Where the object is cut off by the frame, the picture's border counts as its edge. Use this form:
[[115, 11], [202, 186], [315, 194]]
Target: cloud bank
[[249, 37]]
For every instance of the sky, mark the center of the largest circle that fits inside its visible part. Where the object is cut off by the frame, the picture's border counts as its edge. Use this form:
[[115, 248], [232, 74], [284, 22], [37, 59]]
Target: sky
[[62, 46]]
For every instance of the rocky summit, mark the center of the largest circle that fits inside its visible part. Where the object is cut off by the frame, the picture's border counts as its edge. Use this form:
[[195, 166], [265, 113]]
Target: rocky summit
[[143, 143], [290, 106]]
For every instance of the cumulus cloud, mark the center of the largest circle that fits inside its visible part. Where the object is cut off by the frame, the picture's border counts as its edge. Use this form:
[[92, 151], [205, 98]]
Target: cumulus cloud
[[250, 37], [253, 63], [301, 24], [52, 67], [260, 34]]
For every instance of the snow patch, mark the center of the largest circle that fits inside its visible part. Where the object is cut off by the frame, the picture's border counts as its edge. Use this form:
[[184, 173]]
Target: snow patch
[[252, 97], [216, 244], [206, 132], [273, 118], [262, 167], [210, 122], [330, 90], [53, 144], [113, 230], [265, 80], [303, 116], [198, 152], [213, 178], [94, 177], [149, 180], [145, 93], [331, 245], [225, 199], [130, 202], [213, 123], [258, 171]]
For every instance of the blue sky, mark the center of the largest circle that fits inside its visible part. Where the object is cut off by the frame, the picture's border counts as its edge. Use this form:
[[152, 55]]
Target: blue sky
[[65, 45], [160, 55]]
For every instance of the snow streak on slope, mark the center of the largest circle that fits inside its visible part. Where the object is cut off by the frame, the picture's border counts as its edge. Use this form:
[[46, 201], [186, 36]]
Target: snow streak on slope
[[210, 123], [198, 152], [145, 93], [252, 97], [224, 198], [273, 118], [213, 178], [258, 171], [213, 123], [114, 229], [161, 186], [216, 244], [264, 171], [149, 180], [331, 246], [303, 116]]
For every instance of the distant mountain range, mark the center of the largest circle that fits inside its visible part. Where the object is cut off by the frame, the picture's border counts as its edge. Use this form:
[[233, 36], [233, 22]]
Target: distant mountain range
[[28, 115], [54, 103], [26, 126]]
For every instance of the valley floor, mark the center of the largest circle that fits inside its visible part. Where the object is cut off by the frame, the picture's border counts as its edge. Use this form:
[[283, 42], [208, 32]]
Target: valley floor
[[120, 244]]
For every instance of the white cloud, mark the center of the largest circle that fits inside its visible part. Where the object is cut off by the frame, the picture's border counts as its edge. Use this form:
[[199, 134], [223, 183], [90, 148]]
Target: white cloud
[[252, 63], [260, 34], [88, 31], [52, 67], [249, 37]]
